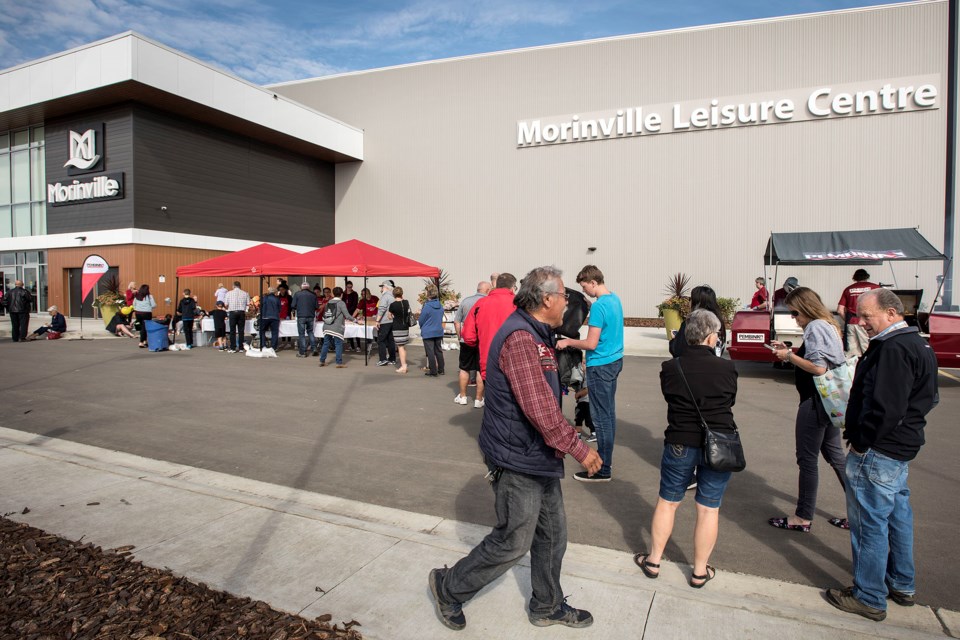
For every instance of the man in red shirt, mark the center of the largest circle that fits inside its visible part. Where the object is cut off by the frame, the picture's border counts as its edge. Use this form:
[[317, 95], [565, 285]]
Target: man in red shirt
[[759, 301], [857, 339], [487, 315]]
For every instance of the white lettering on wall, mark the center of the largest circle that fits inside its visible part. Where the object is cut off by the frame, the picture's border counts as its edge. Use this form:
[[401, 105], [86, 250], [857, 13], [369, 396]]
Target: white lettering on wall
[[104, 187], [863, 99]]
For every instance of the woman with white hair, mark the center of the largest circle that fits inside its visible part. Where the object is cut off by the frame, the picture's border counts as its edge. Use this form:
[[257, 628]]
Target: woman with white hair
[[696, 380], [58, 324]]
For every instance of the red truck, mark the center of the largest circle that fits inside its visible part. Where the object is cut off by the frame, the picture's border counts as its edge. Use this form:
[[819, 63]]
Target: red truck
[[752, 330]]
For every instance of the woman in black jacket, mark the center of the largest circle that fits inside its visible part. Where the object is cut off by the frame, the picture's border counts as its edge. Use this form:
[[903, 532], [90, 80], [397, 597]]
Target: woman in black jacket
[[702, 297], [713, 384]]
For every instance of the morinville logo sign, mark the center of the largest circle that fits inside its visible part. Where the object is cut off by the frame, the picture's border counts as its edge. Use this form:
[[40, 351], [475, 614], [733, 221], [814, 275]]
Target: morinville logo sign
[[85, 155], [106, 187], [899, 95]]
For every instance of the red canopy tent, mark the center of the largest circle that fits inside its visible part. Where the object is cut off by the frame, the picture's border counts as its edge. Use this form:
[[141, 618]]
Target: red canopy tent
[[351, 258], [246, 262]]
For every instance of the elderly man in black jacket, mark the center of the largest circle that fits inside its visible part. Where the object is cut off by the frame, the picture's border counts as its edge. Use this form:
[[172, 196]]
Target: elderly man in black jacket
[[895, 387], [18, 302]]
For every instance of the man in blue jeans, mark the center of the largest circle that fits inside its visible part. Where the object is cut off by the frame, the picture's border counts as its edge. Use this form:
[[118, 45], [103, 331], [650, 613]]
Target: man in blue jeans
[[305, 304], [895, 387], [604, 346], [524, 438]]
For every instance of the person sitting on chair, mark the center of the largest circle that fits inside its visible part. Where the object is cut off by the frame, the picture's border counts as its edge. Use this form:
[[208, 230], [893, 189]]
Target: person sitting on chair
[[58, 324]]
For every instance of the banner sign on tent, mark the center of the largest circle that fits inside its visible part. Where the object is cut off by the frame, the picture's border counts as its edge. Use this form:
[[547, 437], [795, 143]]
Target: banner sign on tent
[[93, 268]]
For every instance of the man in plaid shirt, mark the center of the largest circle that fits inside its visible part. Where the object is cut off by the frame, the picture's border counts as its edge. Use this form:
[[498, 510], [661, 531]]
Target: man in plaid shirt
[[524, 439], [237, 301]]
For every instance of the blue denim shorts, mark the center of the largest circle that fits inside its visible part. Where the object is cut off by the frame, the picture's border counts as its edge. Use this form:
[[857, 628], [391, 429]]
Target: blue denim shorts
[[676, 473]]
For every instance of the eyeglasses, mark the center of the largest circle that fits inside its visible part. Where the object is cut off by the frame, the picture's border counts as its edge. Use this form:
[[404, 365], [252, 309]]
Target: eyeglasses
[[794, 313], [565, 295]]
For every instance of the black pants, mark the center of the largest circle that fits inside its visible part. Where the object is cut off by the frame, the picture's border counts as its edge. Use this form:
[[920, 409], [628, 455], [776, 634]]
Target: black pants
[[385, 344], [434, 354], [19, 321], [816, 436], [238, 321], [188, 331], [142, 317]]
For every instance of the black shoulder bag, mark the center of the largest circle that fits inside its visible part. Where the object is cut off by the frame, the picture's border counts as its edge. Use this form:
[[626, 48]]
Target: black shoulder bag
[[721, 451]]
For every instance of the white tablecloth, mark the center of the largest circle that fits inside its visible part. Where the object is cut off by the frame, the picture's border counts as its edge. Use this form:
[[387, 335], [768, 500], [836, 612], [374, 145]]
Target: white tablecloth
[[288, 329]]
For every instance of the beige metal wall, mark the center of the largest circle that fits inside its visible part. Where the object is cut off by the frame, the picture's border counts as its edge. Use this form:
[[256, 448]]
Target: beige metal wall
[[444, 182]]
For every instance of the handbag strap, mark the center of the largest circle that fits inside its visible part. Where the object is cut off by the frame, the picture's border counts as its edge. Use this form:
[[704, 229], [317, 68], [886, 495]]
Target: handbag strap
[[703, 423]]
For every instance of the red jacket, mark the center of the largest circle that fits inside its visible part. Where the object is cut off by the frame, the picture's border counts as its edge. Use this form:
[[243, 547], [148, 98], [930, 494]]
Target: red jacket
[[484, 320]]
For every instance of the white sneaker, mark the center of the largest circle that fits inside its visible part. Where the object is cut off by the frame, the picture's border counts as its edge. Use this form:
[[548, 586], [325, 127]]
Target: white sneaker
[[478, 404], [459, 399]]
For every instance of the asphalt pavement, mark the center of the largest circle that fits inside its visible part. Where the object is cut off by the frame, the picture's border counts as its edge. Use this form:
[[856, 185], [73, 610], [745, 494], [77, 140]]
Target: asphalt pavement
[[370, 435]]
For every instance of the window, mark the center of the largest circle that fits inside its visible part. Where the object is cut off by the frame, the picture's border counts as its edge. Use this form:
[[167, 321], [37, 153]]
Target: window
[[23, 183]]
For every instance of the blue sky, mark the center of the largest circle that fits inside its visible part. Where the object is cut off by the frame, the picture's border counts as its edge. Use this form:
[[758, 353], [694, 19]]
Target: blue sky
[[291, 40]]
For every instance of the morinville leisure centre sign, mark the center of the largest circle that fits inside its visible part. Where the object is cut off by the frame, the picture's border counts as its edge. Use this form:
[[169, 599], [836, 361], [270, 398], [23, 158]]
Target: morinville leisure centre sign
[[899, 95], [85, 156]]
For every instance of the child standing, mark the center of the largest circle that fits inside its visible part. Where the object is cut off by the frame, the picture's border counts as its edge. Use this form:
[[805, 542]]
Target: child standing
[[187, 310], [219, 315]]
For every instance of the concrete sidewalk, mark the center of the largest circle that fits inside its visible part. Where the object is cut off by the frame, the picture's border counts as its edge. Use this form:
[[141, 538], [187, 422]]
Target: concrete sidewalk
[[311, 554]]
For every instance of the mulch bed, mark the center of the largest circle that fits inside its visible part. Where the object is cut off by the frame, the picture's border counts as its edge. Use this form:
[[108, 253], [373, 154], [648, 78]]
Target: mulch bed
[[643, 322], [51, 588]]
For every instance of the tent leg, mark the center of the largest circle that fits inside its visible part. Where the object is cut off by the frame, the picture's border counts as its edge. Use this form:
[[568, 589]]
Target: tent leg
[[366, 346], [176, 304]]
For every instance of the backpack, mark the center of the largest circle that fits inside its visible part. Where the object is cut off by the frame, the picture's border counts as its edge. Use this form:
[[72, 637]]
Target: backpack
[[330, 313]]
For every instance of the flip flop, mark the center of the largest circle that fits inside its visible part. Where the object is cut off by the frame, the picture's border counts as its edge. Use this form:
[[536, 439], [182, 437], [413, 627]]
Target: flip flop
[[640, 560], [840, 523], [782, 523], [710, 575]]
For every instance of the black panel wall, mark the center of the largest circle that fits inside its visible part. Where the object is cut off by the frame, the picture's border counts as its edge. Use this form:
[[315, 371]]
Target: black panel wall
[[215, 183], [117, 148]]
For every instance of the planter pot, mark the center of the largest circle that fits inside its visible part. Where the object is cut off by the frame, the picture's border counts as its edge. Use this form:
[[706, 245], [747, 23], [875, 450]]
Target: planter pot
[[671, 321], [107, 311]]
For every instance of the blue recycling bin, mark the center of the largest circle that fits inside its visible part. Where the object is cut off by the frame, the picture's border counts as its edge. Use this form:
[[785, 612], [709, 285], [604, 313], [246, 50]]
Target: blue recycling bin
[[157, 338]]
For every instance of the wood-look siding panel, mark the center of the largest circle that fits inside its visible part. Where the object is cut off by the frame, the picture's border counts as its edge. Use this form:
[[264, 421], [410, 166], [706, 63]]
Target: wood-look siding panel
[[143, 264], [60, 261], [218, 184], [117, 146], [444, 182]]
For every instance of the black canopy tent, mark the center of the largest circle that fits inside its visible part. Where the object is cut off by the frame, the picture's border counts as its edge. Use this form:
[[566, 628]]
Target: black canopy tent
[[833, 248]]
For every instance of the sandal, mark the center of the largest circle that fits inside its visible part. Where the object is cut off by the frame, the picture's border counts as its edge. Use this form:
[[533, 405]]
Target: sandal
[[707, 577], [782, 523], [840, 523], [641, 561]]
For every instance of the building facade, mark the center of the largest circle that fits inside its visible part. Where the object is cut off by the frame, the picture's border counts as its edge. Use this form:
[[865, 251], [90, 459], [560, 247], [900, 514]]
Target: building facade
[[655, 154], [647, 155], [152, 160]]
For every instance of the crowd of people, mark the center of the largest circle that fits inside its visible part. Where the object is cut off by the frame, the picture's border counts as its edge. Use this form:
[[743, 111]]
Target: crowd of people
[[511, 351], [510, 338]]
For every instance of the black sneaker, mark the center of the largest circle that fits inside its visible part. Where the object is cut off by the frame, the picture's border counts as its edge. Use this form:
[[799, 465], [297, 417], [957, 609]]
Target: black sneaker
[[451, 615], [565, 615], [901, 598], [844, 600], [583, 477]]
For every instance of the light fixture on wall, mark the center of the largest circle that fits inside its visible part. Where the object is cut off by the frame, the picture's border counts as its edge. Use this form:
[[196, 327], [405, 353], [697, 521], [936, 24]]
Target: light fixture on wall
[[591, 249], [163, 208], [81, 238]]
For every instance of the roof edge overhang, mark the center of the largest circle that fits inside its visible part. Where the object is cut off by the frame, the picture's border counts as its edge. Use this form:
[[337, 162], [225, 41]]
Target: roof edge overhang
[[131, 68]]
